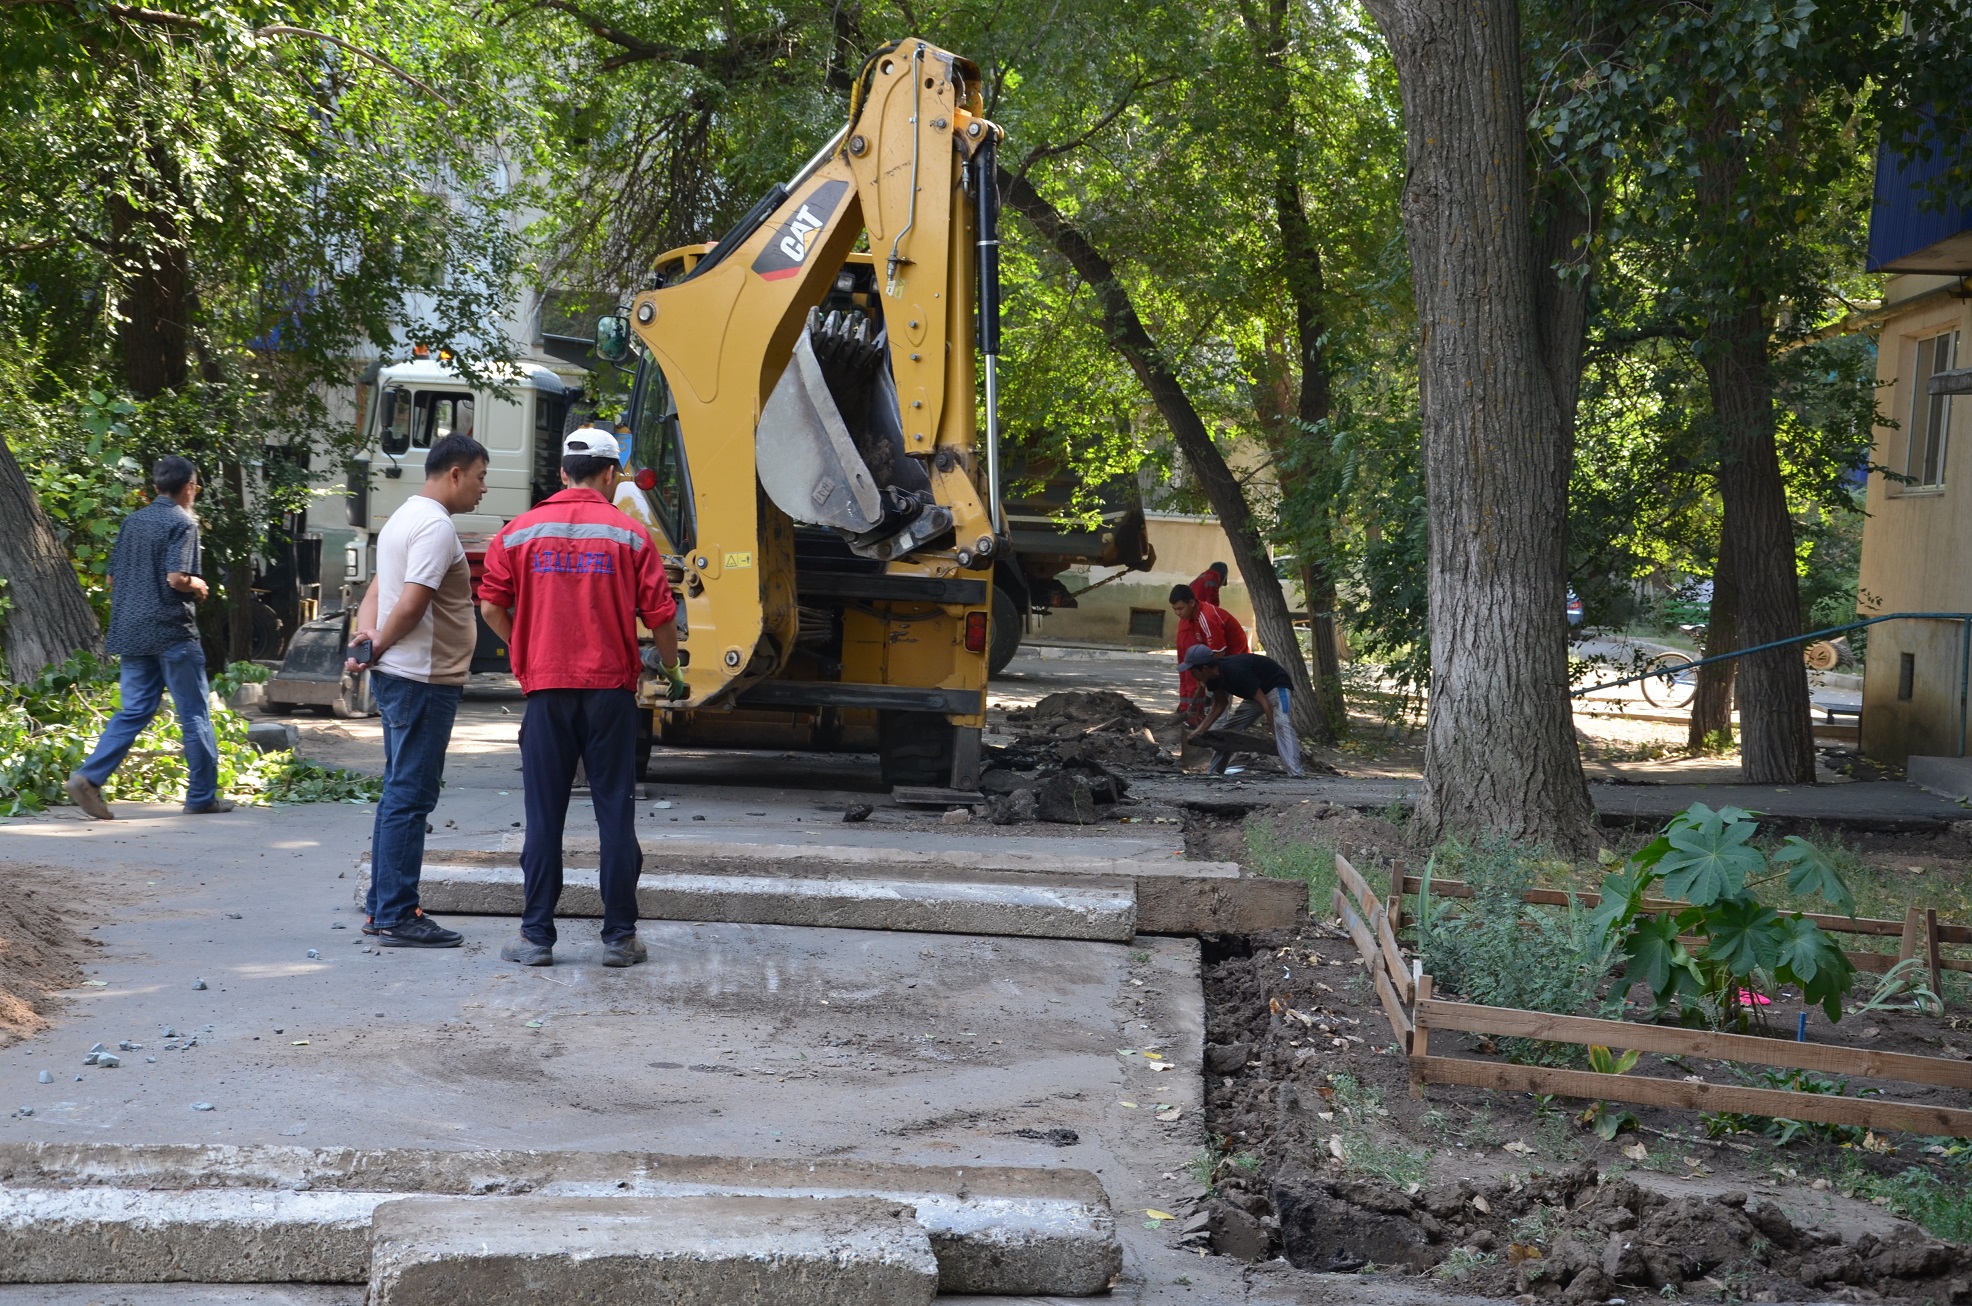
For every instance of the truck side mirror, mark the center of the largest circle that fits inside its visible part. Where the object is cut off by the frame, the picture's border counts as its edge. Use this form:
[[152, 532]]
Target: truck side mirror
[[613, 338]]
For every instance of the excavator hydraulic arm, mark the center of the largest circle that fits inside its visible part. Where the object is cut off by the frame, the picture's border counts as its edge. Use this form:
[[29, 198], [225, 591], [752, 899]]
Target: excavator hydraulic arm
[[859, 422]]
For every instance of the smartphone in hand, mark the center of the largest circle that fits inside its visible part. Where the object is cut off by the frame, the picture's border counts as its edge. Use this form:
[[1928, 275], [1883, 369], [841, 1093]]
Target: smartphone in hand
[[362, 652]]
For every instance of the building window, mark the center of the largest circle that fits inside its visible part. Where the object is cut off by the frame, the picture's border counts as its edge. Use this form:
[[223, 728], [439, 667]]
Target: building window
[[1930, 415], [1147, 622], [1906, 676]]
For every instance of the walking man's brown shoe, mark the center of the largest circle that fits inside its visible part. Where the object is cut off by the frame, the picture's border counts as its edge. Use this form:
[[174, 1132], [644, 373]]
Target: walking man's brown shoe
[[88, 797]]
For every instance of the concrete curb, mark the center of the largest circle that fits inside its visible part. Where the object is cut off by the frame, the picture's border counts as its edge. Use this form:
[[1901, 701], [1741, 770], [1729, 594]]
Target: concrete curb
[[515, 1251], [952, 891], [109, 1213], [1102, 913]]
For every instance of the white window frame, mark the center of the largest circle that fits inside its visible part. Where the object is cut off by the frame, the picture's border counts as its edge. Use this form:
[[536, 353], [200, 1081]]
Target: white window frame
[[1930, 415]]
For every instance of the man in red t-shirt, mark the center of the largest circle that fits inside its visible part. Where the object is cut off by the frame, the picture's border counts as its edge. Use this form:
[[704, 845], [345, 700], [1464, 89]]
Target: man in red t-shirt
[[565, 586], [1202, 623], [1206, 585]]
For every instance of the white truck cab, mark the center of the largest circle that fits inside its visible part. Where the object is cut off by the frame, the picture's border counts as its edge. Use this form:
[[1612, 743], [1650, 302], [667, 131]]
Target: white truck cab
[[416, 404]]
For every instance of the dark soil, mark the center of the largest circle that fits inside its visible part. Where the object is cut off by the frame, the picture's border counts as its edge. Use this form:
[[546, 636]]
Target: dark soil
[[41, 949], [1327, 1160]]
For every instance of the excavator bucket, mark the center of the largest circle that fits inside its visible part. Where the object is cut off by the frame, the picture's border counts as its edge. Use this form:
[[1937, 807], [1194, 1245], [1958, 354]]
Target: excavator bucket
[[829, 448], [809, 464]]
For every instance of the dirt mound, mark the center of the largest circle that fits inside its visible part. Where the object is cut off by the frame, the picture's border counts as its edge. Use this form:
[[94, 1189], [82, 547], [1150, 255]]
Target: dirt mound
[[1329, 1162], [1100, 727], [40, 948]]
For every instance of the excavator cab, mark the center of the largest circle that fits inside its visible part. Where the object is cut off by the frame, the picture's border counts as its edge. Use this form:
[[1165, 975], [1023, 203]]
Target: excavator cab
[[804, 436]]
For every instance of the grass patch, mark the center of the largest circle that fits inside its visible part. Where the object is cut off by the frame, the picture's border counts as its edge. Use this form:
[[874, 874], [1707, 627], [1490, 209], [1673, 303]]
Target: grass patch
[[1358, 1107], [1943, 1208], [1283, 859]]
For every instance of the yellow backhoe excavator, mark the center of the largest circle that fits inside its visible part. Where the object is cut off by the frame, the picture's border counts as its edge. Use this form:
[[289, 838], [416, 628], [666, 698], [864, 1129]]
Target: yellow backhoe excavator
[[805, 440]]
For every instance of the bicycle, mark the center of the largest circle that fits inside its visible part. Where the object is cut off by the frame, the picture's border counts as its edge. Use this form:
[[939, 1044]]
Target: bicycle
[[1671, 682]]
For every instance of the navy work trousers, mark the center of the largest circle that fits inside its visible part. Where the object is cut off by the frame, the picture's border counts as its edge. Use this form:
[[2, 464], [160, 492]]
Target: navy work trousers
[[597, 727]]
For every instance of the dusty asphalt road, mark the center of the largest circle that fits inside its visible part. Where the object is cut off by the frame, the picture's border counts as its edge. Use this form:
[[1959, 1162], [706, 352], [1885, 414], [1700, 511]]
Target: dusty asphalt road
[[735, 1040]]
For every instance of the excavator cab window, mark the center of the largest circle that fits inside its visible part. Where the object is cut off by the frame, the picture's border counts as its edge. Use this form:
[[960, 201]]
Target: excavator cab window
[[657, 443]]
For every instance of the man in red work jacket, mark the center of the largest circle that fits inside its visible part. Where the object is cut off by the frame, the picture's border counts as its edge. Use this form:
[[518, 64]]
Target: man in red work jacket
[[1206, 585], [565, 585], [1208, 624]]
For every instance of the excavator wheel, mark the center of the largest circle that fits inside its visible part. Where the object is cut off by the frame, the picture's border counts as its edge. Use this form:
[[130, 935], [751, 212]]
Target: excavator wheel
[[915, 748], [1005, 639]]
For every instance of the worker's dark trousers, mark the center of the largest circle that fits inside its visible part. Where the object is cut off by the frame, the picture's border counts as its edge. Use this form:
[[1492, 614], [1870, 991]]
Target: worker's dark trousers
[[597, 727]]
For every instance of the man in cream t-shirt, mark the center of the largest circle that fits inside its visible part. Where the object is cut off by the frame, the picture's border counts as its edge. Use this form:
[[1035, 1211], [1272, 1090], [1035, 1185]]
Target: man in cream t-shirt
[[418, 616]]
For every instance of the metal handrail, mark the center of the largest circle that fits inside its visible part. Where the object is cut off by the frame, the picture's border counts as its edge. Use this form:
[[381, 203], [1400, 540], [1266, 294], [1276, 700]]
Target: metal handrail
[[1964, 658]]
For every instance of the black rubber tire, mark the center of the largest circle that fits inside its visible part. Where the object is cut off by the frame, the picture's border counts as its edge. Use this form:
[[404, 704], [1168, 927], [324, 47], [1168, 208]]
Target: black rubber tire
[[1003, 632], [267, 633], [915, 748]]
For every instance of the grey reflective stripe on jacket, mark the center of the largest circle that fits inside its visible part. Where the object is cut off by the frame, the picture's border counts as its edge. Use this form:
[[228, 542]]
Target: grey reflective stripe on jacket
[[557, 530]]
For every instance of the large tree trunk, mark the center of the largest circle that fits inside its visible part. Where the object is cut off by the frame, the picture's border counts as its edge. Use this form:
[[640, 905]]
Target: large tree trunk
[[50, 618], [1500, 750], [151, 262], [1129, 337], [1776, 731], [1711, 705]]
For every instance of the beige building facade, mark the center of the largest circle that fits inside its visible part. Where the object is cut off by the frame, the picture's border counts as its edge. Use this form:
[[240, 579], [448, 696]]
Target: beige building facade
[[1917, 540]]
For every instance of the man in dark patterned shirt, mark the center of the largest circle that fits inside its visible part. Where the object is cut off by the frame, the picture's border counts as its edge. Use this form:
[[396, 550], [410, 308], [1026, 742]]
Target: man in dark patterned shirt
[[154, 630]]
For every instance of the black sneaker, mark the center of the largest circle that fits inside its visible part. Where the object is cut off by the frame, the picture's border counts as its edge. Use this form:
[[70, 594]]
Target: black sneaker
[[370, 922], [208, 809], [419, 932]]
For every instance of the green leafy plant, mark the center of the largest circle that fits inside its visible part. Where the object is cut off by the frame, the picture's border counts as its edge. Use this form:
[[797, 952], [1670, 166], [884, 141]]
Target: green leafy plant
[[49, 725], [1496, 949], [1709, 860], [1608, 1121], [1780, 1128]]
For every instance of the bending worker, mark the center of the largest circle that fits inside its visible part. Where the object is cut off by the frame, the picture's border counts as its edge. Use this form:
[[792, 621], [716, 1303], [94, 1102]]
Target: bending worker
[[1262, 683], [1207, 624], [565, 586]]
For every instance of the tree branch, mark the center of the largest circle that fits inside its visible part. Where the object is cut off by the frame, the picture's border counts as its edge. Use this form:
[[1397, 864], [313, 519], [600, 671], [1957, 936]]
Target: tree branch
[[1076, 142], [282, 29]]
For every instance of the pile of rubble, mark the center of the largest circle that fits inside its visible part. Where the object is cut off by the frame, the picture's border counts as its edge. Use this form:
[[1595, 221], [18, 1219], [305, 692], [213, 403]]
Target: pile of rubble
[[1068, 757]]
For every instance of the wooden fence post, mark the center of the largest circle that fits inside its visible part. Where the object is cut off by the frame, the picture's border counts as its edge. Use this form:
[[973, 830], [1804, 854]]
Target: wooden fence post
[[1931, 952], [1913, 922], [1420, 1035]]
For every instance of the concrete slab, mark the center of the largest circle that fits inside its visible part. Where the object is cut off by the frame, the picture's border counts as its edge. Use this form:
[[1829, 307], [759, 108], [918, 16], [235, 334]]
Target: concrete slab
[[244, 1214], [979, 892], [694, 1251], [187, 1294], [868, 902], [1881, 806], [119, 1235], [1948, 777]]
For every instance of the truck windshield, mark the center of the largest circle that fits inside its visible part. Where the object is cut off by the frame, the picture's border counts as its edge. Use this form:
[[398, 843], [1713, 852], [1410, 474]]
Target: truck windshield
[[417, 419], [655, 442]]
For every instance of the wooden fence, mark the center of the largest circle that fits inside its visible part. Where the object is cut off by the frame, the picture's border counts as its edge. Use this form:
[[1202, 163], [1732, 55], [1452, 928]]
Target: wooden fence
[[1405, 992]]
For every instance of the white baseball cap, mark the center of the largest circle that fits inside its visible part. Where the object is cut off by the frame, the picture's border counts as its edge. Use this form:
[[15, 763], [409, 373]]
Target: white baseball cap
[[591, 442]]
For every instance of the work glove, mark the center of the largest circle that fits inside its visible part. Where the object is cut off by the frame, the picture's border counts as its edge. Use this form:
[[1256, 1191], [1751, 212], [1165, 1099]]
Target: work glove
[[674, 679]]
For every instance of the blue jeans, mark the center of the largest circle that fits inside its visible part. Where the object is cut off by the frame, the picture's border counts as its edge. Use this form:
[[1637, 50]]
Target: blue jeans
[[417, 729], [145, 677]]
